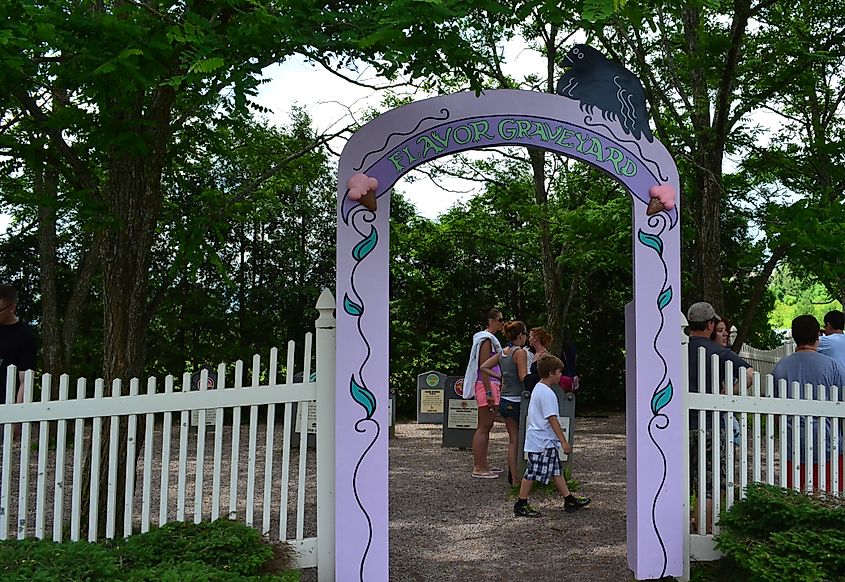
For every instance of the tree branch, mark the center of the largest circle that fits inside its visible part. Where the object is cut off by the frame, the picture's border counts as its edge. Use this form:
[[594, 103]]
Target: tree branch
[[80, 175]]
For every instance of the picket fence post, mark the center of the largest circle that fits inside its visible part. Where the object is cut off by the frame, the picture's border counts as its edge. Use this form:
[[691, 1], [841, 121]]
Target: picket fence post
[[325, 331]]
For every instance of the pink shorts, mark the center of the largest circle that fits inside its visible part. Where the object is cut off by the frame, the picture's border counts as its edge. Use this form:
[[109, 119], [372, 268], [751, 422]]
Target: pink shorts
[[483, 397]]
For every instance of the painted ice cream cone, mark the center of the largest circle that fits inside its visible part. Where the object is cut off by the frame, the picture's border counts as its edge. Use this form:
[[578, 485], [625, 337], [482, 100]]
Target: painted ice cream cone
[[368, 200], [654, 206]]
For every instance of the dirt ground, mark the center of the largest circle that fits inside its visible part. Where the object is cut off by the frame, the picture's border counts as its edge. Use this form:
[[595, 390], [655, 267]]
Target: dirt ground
[[444, 525]]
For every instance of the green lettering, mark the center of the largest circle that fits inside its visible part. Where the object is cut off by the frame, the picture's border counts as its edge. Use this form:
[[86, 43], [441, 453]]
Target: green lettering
[[581, 141], [507, 131], [442, 141], [615, 157], [629, 169], [565, 134], [555, 135], [428, 145], [539, 130], [480, 128], [596, 149], [411, 159], [397, 161], [468, 135], [524, 127]]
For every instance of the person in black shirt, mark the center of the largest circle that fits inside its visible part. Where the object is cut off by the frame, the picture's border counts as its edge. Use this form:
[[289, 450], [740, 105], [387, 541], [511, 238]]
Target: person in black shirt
[[17, 344]]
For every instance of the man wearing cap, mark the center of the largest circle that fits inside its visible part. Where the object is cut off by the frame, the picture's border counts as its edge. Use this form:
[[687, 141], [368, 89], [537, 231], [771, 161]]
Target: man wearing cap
[[702, 319]]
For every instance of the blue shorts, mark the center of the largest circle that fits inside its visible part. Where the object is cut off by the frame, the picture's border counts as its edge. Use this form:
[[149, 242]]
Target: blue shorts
[[509, 409]]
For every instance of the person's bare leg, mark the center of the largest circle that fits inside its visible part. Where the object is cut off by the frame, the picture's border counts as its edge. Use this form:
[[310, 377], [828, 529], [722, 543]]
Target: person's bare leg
[[481, 440], [525, 488], [560, 484], [513, 435]]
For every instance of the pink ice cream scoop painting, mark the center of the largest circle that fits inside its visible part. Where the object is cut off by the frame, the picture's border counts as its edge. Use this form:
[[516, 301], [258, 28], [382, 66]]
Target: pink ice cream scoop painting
[[662, 198], [363, 189]]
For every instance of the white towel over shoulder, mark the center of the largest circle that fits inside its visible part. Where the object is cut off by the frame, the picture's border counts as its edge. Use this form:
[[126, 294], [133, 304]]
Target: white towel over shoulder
[[472, 367]]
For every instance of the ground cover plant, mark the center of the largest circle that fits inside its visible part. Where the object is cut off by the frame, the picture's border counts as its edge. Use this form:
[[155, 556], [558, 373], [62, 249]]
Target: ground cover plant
[[778, 534], [176, 552]]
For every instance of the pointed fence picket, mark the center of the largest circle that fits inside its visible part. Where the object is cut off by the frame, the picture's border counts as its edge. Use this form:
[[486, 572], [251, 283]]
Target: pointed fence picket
[[52, 509]]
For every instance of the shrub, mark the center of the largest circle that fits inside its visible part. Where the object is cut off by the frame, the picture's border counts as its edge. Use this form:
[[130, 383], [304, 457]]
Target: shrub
[[778, 534], [219, 551], [42, 560], [223, 544], [199, 572]]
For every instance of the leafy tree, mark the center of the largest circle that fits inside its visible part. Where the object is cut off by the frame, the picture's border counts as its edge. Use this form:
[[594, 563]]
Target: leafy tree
[[706, 68]]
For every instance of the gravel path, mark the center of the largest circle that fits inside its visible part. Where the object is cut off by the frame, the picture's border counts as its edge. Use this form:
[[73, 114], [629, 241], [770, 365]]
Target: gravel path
[[445, 525]]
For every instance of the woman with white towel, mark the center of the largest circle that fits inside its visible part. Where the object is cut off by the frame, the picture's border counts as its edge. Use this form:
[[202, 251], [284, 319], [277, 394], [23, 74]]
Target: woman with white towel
[[486, 391]]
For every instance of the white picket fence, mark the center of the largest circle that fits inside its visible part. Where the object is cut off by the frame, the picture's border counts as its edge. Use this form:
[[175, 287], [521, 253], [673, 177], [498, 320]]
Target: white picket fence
[[764, 361], [180, 474], [761, 454]]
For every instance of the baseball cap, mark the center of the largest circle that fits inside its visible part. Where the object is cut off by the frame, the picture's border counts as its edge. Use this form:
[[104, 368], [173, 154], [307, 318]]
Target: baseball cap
[[702, 311]]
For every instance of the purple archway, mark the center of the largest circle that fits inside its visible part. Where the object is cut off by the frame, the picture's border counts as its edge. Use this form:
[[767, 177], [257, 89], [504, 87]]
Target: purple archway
[[401, 139]]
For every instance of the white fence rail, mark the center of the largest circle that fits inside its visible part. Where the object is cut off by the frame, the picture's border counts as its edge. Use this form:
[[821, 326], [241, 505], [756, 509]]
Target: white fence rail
[[763, 447], [230, 467]]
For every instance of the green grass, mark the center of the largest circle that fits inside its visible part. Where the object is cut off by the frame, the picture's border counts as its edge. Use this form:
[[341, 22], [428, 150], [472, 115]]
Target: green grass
[[222, 550]]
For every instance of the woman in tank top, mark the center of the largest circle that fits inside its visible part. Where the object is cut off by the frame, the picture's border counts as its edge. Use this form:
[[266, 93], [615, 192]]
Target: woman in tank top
[[513, 363]]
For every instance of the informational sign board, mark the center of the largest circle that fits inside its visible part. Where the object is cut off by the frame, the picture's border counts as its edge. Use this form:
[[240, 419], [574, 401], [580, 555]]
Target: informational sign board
[[461, 416], [211, 384], [312, 417], [431, 401], [430, 386]]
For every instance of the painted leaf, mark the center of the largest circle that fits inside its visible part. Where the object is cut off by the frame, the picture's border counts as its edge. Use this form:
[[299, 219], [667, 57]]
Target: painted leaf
[[351, 307], [664, 299], [661, 398], [363, 397], [363, 248], [652, 241]]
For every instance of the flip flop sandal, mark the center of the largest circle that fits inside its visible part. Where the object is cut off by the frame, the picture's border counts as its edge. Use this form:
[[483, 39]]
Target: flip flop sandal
[[485, 475], [496, 470]]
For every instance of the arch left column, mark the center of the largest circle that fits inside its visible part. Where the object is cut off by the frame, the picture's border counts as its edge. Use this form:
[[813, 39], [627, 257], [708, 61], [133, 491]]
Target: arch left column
[[361, 455]]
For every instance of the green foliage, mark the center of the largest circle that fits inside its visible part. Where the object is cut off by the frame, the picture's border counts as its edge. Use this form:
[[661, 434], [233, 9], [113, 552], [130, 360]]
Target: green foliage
[[222, 550], [249, 267], [223, 544], [778, 534], [37, 560], [794, 297]]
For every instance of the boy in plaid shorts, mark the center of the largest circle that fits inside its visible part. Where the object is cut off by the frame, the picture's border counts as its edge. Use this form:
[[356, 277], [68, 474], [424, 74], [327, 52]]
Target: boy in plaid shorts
[[543, 436]]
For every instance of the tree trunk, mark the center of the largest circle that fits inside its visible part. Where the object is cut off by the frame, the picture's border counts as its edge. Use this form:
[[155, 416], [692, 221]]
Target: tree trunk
[[134, 196], [46, 183], [707, 264], [551, 272]]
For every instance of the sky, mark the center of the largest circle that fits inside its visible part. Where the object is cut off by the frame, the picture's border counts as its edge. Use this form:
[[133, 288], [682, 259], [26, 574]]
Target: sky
[[333, 103]]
